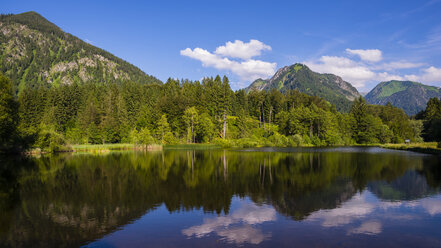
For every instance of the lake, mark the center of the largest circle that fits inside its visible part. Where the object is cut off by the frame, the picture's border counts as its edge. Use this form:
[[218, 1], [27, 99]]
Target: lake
[[265, 197]]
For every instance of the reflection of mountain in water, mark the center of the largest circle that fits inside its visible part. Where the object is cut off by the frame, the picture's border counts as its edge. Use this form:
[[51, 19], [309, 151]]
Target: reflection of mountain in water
[[74, 199], [301, 205], [411, 186]]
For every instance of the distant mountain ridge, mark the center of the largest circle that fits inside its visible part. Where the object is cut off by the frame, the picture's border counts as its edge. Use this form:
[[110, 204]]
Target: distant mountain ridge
[[299, 77], [410, 96], [34, 51]]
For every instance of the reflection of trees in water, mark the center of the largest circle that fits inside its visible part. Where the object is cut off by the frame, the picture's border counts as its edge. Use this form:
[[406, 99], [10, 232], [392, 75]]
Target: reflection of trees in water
[[73, 198], [411, 186]]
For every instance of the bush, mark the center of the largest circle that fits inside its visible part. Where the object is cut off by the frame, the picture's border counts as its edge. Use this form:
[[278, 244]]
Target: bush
[[316, 141], [169, 139], [50, 141], [224, 142], [306, 139], [247, 142], [296, 140], [278, 140]]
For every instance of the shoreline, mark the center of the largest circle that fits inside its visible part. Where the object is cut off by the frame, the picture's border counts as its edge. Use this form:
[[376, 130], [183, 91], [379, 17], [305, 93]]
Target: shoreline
[[433, 150], [426, 148]]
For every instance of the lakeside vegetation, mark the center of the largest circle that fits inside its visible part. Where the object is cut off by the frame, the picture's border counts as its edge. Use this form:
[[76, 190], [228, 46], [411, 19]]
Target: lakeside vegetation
[[192, 112], [422, 147]]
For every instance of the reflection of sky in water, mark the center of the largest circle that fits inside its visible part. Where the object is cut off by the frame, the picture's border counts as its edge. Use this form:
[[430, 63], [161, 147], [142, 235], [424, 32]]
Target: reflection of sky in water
[[239, 226], [251, 223], [368, 210]]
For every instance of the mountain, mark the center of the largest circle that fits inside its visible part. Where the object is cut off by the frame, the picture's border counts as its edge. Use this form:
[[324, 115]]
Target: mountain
[[299, 77], [34, 51], [412, 97]]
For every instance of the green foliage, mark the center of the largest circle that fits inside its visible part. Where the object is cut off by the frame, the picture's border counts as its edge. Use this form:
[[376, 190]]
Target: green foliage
[[431, 118], [50, 141], [296, 140], [191, 112], [8, 116]]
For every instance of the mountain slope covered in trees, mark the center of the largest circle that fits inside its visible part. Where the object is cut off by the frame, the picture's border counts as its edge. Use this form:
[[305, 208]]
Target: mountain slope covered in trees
[[34, 51], [299, 77], [410, 96]]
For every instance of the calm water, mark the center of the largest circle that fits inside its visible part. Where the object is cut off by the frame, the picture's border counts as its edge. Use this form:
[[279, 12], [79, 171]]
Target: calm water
[[337, 197]]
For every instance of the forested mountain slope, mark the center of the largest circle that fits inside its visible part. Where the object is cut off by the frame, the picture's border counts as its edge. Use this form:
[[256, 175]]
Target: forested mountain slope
[[410, 96], [299, 77], [35, 51]]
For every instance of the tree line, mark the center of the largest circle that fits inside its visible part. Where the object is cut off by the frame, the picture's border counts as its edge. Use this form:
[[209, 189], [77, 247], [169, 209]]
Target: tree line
[[184, 111]]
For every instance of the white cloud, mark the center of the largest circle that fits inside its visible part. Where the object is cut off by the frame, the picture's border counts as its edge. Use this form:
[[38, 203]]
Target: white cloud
[[241, 50], [351, 210], [245, 234], [351, 71], [369, 228], [384, 76], [247, 70], [429, 75], [370, 55], [359, 73], [432, 205], [398, 65], [247, 215]]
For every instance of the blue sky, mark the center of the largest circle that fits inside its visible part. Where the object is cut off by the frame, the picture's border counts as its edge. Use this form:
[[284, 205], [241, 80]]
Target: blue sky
[[365, 42]]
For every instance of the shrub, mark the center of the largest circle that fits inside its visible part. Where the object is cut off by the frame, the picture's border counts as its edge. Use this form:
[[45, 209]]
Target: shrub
[[50, 141], [296, 140], [278, 140]]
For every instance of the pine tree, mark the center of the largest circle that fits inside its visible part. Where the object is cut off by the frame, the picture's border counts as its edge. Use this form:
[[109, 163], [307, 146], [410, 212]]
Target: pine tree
[[8, 116]]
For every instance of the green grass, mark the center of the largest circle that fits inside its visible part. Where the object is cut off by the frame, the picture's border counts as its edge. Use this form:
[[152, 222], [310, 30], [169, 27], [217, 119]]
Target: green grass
[[392, 88], [193, 146], [297, 67], [422, 147], [104, 147]]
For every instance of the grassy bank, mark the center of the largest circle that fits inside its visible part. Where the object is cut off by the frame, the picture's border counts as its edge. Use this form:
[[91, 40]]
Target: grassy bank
[[113, 147], [423, 147]]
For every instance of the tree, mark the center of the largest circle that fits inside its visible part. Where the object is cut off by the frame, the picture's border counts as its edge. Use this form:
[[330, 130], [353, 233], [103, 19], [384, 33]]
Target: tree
[[145, 137], [191, 118], [163, 128], [8, 116], [361, 121], [432, 120], [205, 128]]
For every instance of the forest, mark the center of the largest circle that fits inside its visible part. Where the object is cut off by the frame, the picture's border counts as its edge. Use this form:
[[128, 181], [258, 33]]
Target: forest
[[184, 111]]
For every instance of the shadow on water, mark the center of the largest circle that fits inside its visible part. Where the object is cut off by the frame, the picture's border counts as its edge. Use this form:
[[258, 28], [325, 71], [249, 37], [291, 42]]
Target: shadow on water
[[72, 199]]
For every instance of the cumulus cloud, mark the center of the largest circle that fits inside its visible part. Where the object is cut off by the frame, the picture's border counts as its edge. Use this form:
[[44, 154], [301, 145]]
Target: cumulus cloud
[[429, 75], [241, 50], [247, 69], [354, 209], [358, 73], [227, 226], [245, 234], [369, 228], [398, 65], [351, 71], [370, 55], [384, 76], [432, 205]]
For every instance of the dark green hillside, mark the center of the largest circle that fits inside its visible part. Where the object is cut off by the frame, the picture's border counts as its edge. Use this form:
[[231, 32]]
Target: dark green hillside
[[410, 96], [299, 77], [35, 51]]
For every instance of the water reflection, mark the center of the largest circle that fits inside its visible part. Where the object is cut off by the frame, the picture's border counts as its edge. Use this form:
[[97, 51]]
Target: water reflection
[[368, 227], [239, 226], [74, 199]]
